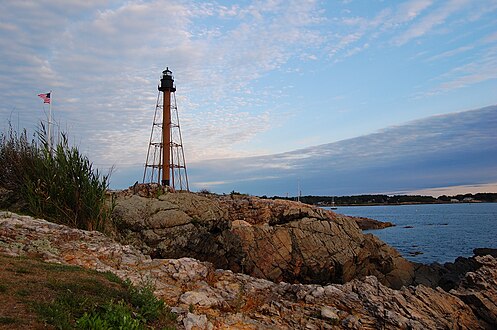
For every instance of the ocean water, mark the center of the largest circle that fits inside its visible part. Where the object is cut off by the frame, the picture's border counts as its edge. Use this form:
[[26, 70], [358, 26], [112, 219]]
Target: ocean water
[[433, 232]]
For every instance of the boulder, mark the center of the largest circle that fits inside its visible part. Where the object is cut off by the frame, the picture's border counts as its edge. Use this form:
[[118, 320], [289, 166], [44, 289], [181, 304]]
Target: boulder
[[272, 239], [371, 224]]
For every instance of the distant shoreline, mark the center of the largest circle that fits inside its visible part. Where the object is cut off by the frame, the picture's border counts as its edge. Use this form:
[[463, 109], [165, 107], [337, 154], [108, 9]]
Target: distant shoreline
[[400, 204], [381, 199]]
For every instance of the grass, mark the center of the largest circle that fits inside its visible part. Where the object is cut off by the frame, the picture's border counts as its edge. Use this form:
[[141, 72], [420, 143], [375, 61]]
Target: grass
[[56, 183], [68, 297], [7, 320]]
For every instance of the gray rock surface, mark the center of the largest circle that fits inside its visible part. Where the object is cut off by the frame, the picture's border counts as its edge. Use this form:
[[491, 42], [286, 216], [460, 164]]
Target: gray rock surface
[[272, 239]]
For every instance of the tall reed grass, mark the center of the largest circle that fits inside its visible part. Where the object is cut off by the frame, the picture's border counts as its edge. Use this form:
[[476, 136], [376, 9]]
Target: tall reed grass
[[58, 184]]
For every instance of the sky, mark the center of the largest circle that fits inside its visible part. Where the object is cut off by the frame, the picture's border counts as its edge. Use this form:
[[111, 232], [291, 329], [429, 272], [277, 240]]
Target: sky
[[450, 150], [258, 81]]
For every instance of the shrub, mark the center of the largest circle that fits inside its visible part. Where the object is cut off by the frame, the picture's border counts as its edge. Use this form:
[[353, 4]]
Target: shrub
[[112, 316], [58, 184], [149, 307], [16, 156], [141, 308]]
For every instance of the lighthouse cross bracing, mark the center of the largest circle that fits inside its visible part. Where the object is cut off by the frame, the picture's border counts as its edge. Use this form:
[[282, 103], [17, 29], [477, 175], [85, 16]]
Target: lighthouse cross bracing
[[165, 162]]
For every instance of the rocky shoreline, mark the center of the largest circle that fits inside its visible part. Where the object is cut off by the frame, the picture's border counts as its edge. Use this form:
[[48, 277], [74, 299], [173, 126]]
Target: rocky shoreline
[[241, 262], [207, 298]]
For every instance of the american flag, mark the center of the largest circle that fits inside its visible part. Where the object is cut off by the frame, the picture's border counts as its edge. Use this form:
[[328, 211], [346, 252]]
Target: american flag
[[45, 97]]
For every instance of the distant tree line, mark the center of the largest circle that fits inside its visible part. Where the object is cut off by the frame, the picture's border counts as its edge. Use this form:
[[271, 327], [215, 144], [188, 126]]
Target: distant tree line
[[391, 200], [484, 197]]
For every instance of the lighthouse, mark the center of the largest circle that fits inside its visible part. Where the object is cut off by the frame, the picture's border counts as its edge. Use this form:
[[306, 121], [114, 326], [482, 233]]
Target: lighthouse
[[165, 163], [166, 87]]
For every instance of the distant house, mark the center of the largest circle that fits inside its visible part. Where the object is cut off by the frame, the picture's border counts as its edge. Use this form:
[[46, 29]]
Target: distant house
[[454, 200], [468, 199]]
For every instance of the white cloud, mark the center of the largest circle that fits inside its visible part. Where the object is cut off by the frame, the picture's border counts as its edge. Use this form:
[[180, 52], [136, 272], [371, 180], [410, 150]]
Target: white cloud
[[455, 190], [409, 10], [482, 68], [387, 21], [109, 56], [450, 53], [430, 21], [491, 38]]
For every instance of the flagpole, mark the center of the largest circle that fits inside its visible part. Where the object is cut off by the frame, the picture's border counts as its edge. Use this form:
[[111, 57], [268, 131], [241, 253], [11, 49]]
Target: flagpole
[[49, 122]]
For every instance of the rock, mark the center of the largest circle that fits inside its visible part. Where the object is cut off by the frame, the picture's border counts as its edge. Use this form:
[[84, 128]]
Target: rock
[[208, 298], [478, 289], [485, 251], [196, 322], [449, 275], [330, 313], [371, 224], [428, 275], [272, 239], [204, 298], [454, 272]]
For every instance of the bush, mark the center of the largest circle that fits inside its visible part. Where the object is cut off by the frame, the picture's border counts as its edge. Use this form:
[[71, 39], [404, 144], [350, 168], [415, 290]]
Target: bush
[[58, 184], [148, 306], [140, 309], [16, 156], [112, 316]]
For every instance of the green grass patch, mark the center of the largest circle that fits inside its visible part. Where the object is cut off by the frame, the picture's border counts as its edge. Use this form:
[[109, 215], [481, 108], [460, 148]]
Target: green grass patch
[[134, 308], [60, 267], [21, 270], [22, 293], [112, 277], [112, 316], [73, 297], [7, 320]]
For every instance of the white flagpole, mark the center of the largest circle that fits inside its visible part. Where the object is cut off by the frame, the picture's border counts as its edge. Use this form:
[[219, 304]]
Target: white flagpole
[[49, 123]]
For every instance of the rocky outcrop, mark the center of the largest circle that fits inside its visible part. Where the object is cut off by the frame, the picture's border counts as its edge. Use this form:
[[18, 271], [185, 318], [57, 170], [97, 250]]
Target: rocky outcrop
[[207, 298], [276, 240], [479, 289], [371, 224], [449, 275]]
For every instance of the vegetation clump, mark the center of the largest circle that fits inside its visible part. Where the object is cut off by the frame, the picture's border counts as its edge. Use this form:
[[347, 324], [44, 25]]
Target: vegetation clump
[[56, 183], [70, 297]]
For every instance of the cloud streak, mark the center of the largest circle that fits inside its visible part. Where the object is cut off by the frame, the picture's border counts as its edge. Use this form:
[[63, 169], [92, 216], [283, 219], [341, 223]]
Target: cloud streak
[[429, 22]]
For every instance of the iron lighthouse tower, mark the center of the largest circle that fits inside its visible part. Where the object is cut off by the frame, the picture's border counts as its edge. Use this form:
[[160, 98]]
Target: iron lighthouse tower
[[165, 163]]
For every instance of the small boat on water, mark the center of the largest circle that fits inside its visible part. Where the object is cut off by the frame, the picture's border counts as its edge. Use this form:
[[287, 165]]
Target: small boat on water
[[333, 207]]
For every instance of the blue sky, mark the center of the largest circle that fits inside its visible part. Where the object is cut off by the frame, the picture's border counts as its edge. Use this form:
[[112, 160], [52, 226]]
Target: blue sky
[[254, 78]]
